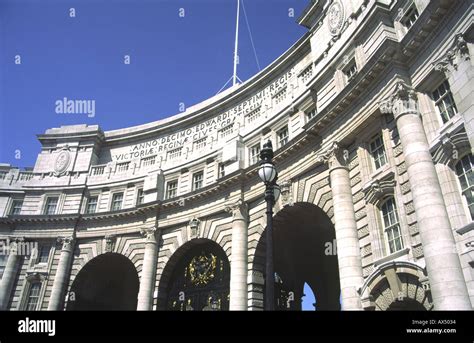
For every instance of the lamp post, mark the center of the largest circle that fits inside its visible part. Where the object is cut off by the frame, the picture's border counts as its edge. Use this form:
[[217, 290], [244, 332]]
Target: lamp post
[[269, 176]]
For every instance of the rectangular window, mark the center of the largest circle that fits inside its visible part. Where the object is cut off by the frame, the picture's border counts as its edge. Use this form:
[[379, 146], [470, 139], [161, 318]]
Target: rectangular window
[[140, 196], [444, 102], [51, 204], [377, 150], [282, 137], [43, 253], [198, 180], [91, 205], [410, 17], [33, 296], [171, 189], [221, 170], [3, 263], [350, 70], [254, 154], [117, 200], [391, 226], [465, 173], [16, 207], [311, 114]]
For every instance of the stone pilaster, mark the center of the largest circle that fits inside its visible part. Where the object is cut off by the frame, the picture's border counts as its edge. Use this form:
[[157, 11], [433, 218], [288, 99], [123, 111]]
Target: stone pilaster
[[457, 65], [239, 257], [148, 277], [348, 248], [9, 274], [61, 278], [442, 262]]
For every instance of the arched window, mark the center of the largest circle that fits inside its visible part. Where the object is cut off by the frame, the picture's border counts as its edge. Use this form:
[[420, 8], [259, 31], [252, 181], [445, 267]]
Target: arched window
[[391, 225], [466, 179]]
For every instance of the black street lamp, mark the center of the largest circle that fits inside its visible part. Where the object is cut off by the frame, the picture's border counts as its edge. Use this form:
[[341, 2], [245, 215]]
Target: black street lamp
[[269, 176]]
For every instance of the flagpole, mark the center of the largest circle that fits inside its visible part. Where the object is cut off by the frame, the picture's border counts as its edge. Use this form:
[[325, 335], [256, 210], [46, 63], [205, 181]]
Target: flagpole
[[234, 78]]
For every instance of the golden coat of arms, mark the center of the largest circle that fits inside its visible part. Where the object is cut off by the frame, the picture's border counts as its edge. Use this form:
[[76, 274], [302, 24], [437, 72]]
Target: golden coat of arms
[[202, 269]]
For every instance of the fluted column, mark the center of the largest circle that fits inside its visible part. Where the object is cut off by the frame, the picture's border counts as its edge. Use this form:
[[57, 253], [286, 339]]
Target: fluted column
[[347, 240], [148, 278], [448, 287], [9, 274], [61, 278], [239, 258]]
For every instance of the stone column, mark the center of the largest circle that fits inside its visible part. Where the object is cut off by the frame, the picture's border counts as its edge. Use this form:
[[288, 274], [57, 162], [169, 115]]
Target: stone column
[[347, 240], [148, 278], [448, 286], [9, 274], [458, 66], [56, 301], [239, 258]]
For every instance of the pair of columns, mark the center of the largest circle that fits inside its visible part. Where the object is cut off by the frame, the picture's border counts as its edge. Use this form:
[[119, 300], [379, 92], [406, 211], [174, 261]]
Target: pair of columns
[[448, 287]]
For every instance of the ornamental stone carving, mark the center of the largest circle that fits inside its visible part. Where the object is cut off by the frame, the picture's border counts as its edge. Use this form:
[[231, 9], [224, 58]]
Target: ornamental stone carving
[[403, 100], [110, 243], [378, 189], [286, 193], [335, 17], [238, 209], [61, 164], [335, 157], [457, 53], [194, 228], [450, 148], [149, 234], [66, 242]]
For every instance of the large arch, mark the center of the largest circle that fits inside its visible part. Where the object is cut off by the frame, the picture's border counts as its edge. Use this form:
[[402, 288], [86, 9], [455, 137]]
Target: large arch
[[107, 282], [304, 252], [195, 278], [397, 286]]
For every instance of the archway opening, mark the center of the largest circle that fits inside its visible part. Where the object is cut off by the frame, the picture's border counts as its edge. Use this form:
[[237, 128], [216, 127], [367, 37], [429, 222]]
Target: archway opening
[[309, 302], [200, 279], [304, 252], [406, 305], [108, 282]]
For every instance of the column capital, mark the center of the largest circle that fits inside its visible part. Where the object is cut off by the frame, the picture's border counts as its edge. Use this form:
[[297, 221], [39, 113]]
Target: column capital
[[403, 100], [457, 53], [66, 242], [149, 234], [335, 157], [238, 209]]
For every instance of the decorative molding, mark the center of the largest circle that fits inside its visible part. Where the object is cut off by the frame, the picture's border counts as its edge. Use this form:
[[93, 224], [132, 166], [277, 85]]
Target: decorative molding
[[62, 161], [378, 189], [457, 52], [450, 148]]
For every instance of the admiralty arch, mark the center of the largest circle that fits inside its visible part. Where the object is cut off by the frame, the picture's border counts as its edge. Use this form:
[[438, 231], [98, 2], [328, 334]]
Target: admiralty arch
[[371, 118]]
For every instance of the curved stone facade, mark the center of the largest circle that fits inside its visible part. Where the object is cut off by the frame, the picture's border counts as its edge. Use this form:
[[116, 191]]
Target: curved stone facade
[[370, 114]]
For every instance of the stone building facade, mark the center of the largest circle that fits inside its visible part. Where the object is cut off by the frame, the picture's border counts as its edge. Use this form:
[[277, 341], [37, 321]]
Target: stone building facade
[[371, 117]]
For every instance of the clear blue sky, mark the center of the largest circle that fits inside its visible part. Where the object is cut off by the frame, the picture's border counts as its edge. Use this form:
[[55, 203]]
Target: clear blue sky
[[173, 59]]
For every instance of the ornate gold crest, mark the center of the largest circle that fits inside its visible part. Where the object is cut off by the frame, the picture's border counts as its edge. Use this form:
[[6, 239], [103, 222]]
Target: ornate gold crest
[[202, 269]]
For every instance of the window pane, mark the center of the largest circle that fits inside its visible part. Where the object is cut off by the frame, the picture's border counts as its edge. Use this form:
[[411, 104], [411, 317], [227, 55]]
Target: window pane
[[33, 296], [51, 204], [117, 201]]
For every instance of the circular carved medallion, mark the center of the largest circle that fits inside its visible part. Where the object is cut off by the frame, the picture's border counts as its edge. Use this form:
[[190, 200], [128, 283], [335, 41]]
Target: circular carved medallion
[[62, 162], [335, 16]]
